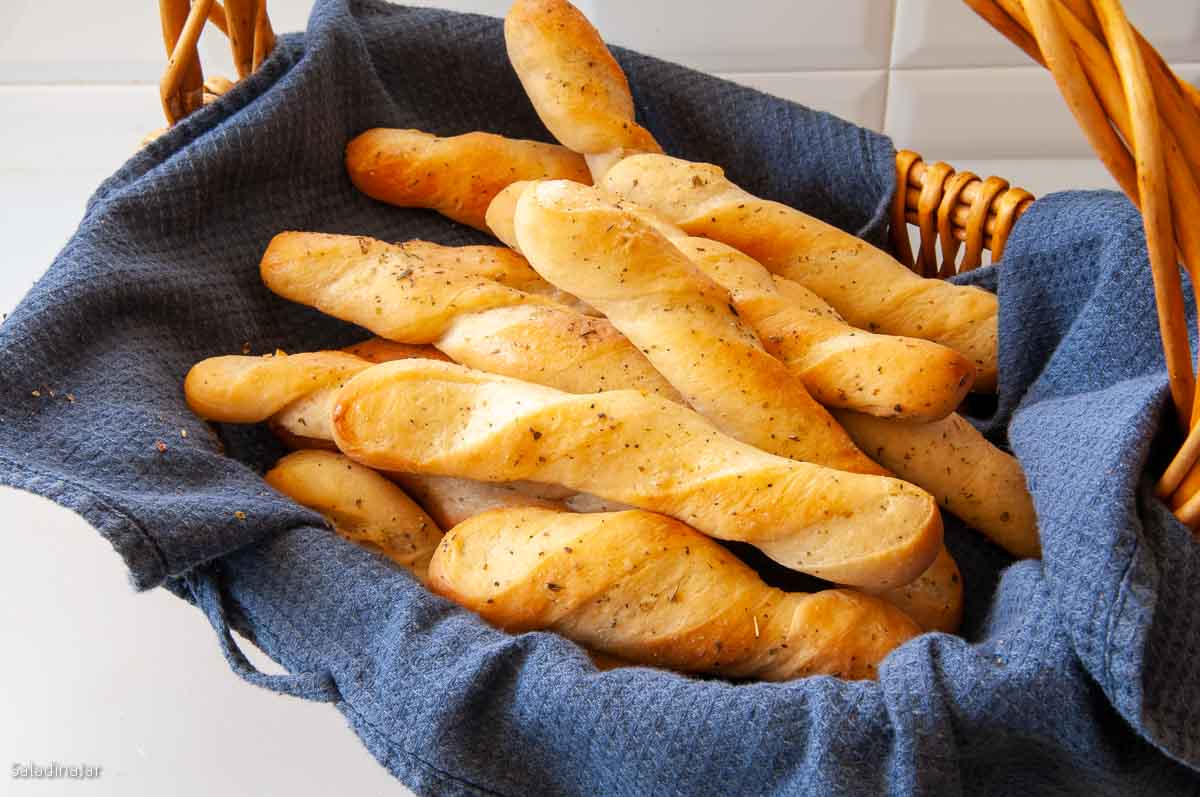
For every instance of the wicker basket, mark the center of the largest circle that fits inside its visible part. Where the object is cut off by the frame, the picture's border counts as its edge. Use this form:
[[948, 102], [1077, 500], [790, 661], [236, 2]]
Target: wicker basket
[[1140, 117]]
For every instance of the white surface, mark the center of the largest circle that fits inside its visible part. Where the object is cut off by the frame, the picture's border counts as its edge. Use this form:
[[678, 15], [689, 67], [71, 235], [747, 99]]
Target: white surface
[[135, 683], [96, 674]]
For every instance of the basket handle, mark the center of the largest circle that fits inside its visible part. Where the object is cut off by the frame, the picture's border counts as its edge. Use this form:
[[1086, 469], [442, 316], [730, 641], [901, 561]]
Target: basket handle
[[1116, 83], [182, 88], [950, 208]]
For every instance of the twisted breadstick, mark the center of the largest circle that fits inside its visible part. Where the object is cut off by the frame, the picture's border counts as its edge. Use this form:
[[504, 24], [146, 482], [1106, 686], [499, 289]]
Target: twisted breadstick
[[241, 389], [552, 346], [681, 320], [968, 475], [841, 366], [583, 97], [650, 590], [428, 417], [399, 294], [576, 86], [865, 285], [454, 176], [435, 294], [933, 599], [361, 505], [296, 394]]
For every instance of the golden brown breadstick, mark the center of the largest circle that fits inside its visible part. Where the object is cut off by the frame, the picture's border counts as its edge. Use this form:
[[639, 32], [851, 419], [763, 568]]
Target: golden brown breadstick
[[441, 297], [576, 86], [410, 299], [681, 320], [361, 505], [865, 285], [421, 416], [555, 347], [296, 395], [455, 176], [842, 366], [650, 590], [241, 389], [933, 599], [968, 475]]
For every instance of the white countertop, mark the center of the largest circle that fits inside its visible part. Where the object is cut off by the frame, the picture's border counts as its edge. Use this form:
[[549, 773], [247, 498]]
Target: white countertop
[[97, 674]]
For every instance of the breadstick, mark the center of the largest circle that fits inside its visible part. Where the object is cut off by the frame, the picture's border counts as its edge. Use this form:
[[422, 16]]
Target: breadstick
[[493, 262], [865, 285], [552, 346], [240, 389], [455, 176], [933, 599], [968, 475], [361, 505], [841, 366], [296, 395], [582, 96], [420, 416], [409, 299], [439, 297], [681, 320], [650, 590], [576, 86]]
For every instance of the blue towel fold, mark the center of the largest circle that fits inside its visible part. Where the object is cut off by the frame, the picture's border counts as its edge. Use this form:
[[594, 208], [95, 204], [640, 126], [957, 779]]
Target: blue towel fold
[[1077, 674]]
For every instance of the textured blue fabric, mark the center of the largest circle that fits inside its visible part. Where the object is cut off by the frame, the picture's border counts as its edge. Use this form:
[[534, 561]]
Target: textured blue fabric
[[1077, 675]]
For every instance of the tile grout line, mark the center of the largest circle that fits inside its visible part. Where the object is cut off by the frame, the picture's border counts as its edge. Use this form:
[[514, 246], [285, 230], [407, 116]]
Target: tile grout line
[[887, 75]]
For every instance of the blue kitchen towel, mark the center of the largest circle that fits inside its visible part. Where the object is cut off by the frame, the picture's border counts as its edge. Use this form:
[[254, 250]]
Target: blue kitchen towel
[[1079, 674]]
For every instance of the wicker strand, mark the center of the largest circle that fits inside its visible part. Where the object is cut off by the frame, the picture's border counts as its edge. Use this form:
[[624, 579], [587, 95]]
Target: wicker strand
[[182, 87], [182, 84], [949, 207], [1142, 121]]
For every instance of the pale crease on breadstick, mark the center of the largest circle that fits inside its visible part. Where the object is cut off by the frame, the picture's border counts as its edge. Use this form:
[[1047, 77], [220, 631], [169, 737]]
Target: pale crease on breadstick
[[864, 284], [576, 86], [650, 590], [361, 505], [455, 176], [422, 416], [681, 320], [841, 366], [969, 476], [445, 298]]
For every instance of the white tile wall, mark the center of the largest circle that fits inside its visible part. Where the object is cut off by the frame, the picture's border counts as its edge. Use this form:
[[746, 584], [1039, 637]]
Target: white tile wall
[[928, 72]]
